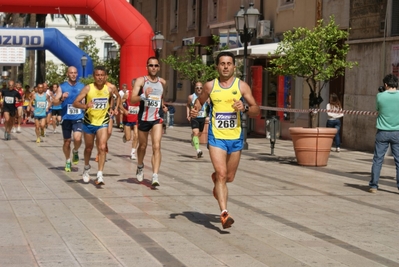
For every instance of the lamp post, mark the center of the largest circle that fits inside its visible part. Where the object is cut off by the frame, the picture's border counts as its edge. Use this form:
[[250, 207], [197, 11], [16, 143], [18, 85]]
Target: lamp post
[[83, 61], [246, 23], [157, 43]]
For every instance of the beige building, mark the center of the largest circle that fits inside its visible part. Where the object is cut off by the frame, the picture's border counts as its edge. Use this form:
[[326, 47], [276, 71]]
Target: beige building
[[372, 44]]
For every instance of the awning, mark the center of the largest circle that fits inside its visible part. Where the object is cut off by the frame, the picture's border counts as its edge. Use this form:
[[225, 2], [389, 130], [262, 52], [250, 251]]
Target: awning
[[256, 51]]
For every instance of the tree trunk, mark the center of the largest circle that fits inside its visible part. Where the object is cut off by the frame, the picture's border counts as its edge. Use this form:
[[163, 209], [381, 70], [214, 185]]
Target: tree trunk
[[41, 54], [17, 22], [31, 59]]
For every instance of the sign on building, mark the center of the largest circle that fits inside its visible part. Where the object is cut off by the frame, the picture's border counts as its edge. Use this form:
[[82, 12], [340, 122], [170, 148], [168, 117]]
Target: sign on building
[[12, 55]]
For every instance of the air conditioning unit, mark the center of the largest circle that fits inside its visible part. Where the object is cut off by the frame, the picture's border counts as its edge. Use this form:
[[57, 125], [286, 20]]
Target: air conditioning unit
[[263, 29]]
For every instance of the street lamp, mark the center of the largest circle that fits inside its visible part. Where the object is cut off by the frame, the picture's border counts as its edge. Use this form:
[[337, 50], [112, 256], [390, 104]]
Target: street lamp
[[246, 23], [83, 61], [157, 43], [113, 52]]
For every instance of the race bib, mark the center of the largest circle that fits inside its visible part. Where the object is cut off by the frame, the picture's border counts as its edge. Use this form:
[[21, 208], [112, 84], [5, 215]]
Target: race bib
[[226, 120], [9, 100], [71, 110], [133, 110], [100, 103], [41, 104], [153, 101], [201, 113]]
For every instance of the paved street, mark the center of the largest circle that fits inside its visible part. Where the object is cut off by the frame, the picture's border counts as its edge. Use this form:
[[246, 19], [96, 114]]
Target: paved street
[[285, 214]]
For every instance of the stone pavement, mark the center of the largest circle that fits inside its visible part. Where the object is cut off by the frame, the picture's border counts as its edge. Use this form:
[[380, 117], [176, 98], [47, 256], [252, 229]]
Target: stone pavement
[[285, 214]]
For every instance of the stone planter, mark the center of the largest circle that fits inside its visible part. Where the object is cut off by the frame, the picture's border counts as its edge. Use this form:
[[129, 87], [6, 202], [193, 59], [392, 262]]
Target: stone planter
[[312, 145]]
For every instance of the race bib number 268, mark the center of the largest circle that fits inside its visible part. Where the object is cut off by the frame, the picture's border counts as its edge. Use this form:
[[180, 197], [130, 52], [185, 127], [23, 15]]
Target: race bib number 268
[[226, 120]]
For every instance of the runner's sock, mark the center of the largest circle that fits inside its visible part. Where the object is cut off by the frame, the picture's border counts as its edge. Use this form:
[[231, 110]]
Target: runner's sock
[[196, 142]]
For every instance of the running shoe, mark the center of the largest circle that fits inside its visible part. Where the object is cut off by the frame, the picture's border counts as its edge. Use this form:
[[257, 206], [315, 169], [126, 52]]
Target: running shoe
[[75, 157], [86, 174], [38, 140], [67, 165], [99, 180], [19, 129], [124, 139], [140, 173], [155, 181], [226, 220], [13, 130], [199, 154], [133, 156]]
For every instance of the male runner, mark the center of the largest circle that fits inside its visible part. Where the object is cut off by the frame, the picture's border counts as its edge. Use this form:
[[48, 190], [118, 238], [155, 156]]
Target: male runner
[[225, 136], [19, 106], [10, 97], [149, 90], [71, 116], [96, 119], [39, 104], [198, 123]]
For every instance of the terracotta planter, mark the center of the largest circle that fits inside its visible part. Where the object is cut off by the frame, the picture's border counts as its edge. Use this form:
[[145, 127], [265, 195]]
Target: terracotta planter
[[312, 145]]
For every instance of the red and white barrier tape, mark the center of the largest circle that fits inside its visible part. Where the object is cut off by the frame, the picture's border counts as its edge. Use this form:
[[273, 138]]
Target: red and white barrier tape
[[294, 110]]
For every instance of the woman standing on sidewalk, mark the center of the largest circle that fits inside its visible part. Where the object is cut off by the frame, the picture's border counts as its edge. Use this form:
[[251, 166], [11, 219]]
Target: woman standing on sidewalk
[[334, 120]]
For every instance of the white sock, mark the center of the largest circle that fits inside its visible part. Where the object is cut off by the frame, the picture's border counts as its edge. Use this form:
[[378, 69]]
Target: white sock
[[68, 160], [224, 211], [99, 173], [133, 150]]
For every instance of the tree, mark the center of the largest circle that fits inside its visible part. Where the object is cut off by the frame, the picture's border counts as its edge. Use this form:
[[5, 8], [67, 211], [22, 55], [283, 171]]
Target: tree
[[316, 55], [112, 65], [55, 73], [190, 65]]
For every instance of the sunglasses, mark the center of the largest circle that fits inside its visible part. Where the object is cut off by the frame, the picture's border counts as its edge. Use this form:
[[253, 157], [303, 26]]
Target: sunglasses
[[198, 87], [153, 65]]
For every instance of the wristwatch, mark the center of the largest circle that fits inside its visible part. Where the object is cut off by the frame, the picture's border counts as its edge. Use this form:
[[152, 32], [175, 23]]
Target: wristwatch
[[246, 108]]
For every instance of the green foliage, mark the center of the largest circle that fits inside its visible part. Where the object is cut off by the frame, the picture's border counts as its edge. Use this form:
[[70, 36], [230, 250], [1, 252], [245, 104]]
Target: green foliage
[[55, 73], [190, 65], [112, 65], [89, 46], [316, 55], [88, 80]]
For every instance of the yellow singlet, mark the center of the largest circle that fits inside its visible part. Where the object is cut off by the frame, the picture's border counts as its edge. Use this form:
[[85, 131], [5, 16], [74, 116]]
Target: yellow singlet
[[98, 114], [225, 121]]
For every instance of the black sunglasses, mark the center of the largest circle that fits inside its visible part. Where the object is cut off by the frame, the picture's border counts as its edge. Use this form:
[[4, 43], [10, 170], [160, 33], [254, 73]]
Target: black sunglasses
[[153, 65], [198, 87]]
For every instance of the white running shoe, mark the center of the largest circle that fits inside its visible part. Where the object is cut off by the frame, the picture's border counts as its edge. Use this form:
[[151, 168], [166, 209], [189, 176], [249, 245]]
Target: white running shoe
[[133, 156], [140, 173], [100, 180], [19, 129], [155, 181], [86, 175], [13, 130]]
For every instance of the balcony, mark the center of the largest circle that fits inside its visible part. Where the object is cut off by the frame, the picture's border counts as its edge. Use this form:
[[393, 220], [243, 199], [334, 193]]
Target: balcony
[[85, 22]]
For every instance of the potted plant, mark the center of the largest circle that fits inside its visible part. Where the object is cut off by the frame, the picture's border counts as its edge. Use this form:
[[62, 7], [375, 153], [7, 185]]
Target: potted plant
[[316, 56]]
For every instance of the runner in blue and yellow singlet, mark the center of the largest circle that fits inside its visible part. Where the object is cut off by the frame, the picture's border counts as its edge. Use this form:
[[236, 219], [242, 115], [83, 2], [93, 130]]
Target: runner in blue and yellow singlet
[[230, 97], [95, 123]]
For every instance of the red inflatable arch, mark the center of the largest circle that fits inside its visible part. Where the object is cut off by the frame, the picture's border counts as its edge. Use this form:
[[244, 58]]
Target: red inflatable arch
[[117, 17]]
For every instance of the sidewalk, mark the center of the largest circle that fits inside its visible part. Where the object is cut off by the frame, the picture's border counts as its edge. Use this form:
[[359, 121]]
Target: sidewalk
[[285, 214]]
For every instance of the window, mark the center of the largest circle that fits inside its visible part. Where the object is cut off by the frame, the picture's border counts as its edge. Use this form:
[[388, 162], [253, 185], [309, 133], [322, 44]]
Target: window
[[84, 19], [212, 11], [175, 16], [107, 46], [191, 14], [57, 16], [395, 19], [286, 4]]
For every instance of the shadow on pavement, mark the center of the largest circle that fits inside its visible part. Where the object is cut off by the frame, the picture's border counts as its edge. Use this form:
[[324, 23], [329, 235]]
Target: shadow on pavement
[[205, 220]]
